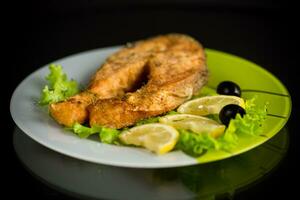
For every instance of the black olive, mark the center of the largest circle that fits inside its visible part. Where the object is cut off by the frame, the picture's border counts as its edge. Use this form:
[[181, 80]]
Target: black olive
[[229, 112], [229, 88]]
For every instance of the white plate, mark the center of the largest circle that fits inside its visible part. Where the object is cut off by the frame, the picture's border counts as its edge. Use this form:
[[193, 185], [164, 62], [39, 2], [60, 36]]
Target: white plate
[[38, 125]]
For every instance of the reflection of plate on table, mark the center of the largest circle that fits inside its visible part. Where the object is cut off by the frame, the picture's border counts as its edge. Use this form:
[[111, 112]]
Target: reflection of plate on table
[[89, 180], [37, 124]]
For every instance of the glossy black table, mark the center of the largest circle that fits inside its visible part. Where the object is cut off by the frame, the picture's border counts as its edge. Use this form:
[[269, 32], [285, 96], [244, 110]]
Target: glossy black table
[[51, 31]]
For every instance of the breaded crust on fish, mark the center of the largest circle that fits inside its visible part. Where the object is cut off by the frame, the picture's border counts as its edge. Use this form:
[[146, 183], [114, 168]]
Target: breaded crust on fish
[[174, 75], [173, 67]]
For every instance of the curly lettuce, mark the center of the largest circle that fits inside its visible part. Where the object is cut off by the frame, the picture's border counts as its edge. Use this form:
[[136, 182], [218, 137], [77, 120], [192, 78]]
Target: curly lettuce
[[109, 135], [59, 87], [251, 122], [106, 135], [84, 131], [195, 144]]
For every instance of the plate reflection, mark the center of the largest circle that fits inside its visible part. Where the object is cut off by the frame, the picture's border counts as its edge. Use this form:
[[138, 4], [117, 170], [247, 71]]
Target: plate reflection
[[215, 180]]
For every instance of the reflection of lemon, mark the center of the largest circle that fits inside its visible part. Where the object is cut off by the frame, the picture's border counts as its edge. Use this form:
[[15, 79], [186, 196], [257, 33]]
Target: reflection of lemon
[[194, 123], [156, 137], [209, 104]]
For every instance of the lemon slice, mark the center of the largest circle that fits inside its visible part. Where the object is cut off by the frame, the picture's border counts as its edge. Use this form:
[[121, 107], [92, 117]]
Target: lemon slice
[[156, 137], [209, 104], [194, 123]]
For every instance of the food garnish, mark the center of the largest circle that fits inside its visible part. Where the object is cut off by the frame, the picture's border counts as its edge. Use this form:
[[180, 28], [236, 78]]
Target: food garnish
[[59, 87], [209, 105], [159, 138]]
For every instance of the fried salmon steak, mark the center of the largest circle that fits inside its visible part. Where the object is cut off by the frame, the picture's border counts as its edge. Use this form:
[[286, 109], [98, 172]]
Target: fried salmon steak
[[170, 68]]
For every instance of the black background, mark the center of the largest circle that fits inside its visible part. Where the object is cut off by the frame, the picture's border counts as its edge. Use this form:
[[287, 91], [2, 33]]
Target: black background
[[38, 32]]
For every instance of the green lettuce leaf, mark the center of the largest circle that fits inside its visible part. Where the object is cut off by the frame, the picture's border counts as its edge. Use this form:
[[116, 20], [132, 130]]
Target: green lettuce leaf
[[229, 139], [84, 131], [251, 122], [195, 144], [106, 135], [59, 87], [109, 135]]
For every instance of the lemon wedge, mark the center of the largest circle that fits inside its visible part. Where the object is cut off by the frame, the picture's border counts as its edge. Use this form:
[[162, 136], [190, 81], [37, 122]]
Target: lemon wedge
[[209, 104], [156, 137], [194, 123]]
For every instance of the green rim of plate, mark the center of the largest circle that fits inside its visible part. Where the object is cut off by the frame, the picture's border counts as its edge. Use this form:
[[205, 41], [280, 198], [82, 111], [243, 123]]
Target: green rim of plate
[[254, 82]]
